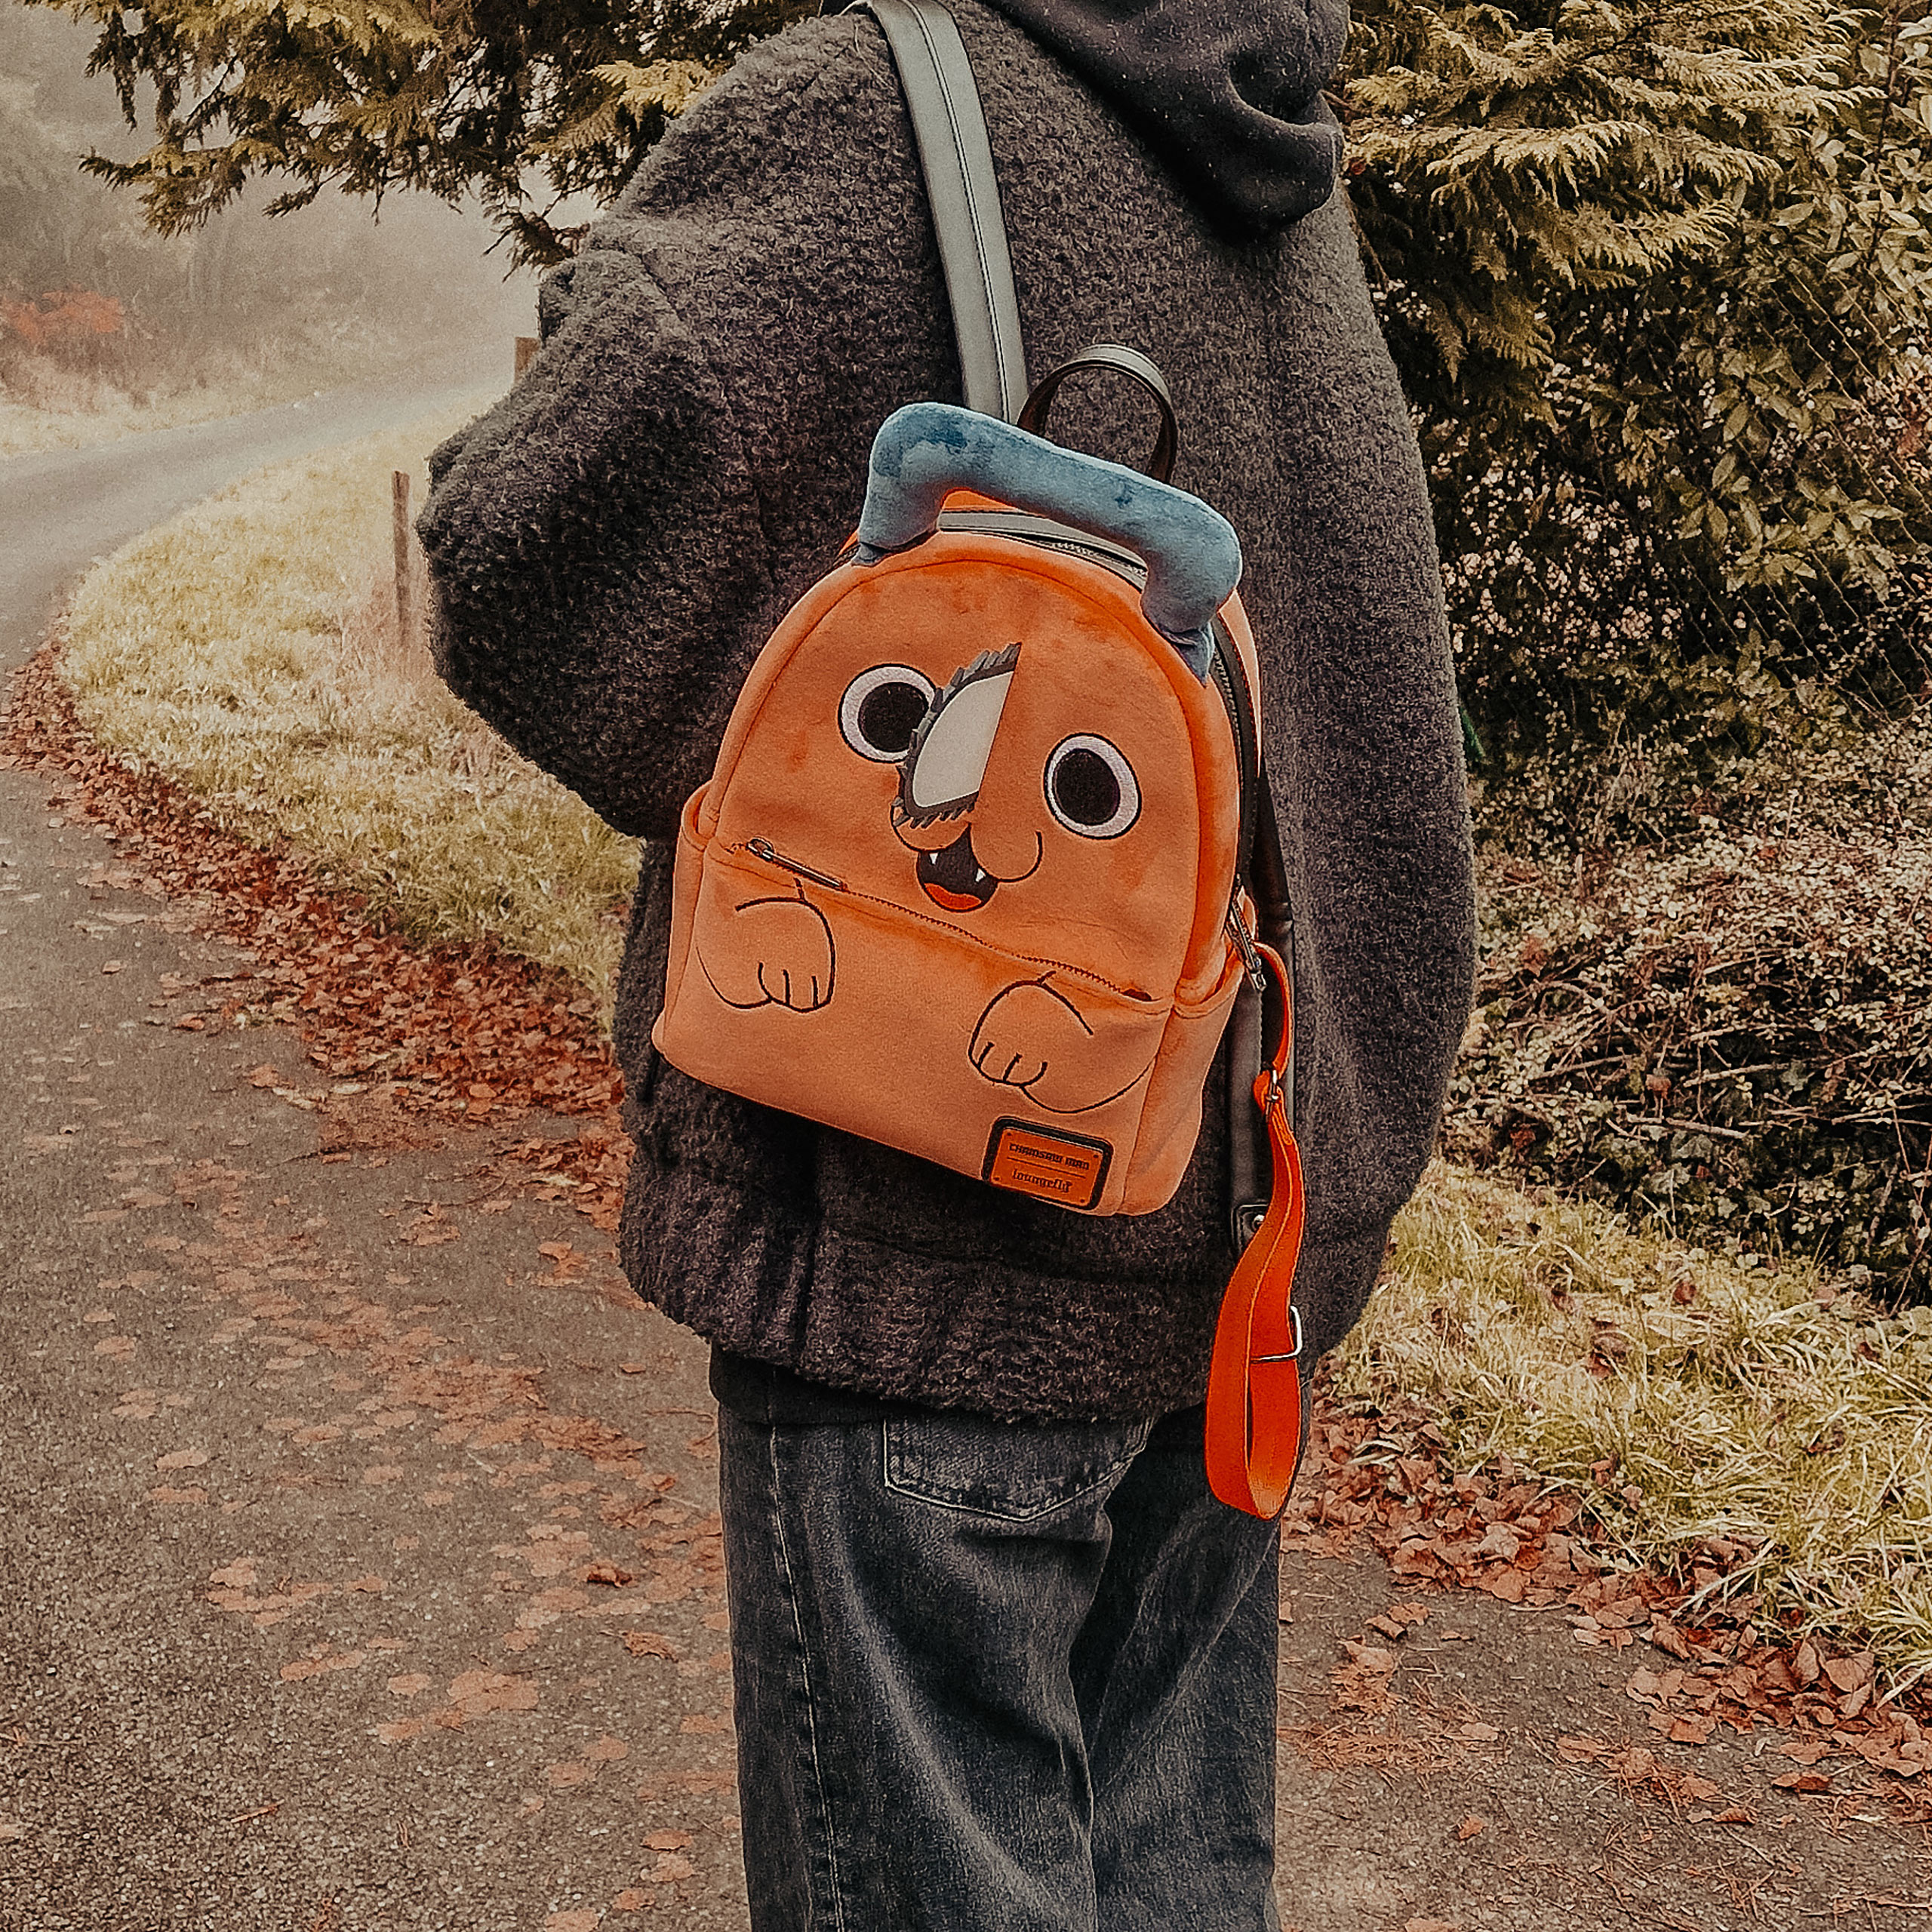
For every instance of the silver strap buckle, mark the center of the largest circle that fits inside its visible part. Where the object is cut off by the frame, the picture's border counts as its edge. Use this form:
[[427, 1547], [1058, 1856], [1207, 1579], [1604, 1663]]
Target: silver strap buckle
[[1294, 1354]]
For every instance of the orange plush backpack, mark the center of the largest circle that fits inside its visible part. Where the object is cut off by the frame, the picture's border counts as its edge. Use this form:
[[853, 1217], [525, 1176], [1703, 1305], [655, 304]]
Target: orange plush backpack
[[971, 877]]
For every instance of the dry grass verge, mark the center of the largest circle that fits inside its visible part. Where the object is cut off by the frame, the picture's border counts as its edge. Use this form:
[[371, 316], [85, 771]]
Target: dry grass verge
[[1759, 1436], [246, 650]]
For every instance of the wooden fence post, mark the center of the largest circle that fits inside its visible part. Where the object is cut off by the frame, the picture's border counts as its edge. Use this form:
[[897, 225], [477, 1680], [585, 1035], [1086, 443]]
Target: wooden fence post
[[399, 522], [526, 352]]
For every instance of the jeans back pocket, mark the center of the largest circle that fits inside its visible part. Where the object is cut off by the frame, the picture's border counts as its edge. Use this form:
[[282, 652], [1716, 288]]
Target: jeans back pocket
[[1015, 1472]]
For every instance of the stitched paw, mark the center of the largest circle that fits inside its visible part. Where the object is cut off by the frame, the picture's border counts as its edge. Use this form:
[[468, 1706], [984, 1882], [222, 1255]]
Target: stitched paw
[[772, 952]]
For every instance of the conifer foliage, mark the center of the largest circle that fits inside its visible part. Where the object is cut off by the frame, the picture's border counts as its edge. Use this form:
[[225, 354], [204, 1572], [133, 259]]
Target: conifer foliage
[[526, 104], [1659, 283]]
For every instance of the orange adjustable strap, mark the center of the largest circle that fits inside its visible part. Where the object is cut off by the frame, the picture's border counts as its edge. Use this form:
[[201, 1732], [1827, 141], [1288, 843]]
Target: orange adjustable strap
[[1254, 1394]]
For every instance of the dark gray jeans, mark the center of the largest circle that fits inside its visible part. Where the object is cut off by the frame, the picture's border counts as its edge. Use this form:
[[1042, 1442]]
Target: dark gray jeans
[[998, 1679]]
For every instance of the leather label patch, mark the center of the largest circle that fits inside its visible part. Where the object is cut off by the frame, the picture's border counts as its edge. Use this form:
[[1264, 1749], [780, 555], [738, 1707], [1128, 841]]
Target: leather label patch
[[1068, 1168]]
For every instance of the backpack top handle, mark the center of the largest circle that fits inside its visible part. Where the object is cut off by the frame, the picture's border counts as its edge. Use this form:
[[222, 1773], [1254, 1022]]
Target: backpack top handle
[[927, 450], [1115, 358]]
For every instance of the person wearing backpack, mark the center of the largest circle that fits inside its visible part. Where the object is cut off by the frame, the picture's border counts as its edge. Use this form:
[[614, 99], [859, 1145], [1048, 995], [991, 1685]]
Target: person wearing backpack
[[1001, 1659]]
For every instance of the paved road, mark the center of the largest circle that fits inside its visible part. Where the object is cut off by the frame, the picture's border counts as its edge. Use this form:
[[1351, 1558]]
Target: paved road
[[61, 510], [328, 1499]]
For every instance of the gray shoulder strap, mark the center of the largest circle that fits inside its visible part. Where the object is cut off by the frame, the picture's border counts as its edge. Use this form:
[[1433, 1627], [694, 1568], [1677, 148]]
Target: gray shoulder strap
[[950, 126]]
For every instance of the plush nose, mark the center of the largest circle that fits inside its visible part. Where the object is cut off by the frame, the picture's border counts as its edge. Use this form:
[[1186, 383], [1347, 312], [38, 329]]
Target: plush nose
[[1007, 842]]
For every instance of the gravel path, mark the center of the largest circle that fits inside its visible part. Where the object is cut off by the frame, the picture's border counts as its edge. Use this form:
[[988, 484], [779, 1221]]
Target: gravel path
[[359, 1556]]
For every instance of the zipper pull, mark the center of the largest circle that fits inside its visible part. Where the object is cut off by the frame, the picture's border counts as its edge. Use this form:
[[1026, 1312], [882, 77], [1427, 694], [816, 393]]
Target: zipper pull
[[1244, 941], [763, 848]]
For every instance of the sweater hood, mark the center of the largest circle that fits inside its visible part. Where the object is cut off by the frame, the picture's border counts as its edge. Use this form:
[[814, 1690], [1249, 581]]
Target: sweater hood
[[1227, 92]]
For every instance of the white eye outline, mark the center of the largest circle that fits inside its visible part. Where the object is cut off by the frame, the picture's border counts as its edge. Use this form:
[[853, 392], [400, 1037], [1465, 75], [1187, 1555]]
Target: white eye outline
[[1123, 815], [862, 687]]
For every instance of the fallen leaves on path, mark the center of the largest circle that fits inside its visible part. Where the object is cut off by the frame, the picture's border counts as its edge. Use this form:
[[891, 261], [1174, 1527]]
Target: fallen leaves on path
[[473, 1694], [1504, 1532], [566, 1263], [376, 1404], [381, 1373], [587, 1172], [465, 1030], [1636, 1768], [648, 1643]]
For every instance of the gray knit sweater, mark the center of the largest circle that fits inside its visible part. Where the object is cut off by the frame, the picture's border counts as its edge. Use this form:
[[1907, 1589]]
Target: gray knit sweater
[[611, 545]]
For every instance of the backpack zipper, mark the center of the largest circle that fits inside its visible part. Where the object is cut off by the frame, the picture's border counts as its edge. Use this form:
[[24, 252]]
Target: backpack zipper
[[1232, 681], [764, 849], [1244, 941]]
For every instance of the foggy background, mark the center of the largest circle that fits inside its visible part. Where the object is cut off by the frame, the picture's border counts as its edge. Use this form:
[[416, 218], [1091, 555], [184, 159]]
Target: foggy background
[[105, 327]]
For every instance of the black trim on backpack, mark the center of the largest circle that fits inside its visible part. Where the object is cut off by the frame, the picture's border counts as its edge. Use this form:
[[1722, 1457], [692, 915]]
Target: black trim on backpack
[[1250, 1166]]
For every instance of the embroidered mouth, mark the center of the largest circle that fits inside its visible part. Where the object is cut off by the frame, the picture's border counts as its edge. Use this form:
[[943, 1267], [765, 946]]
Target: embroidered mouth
[[954, 879]]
